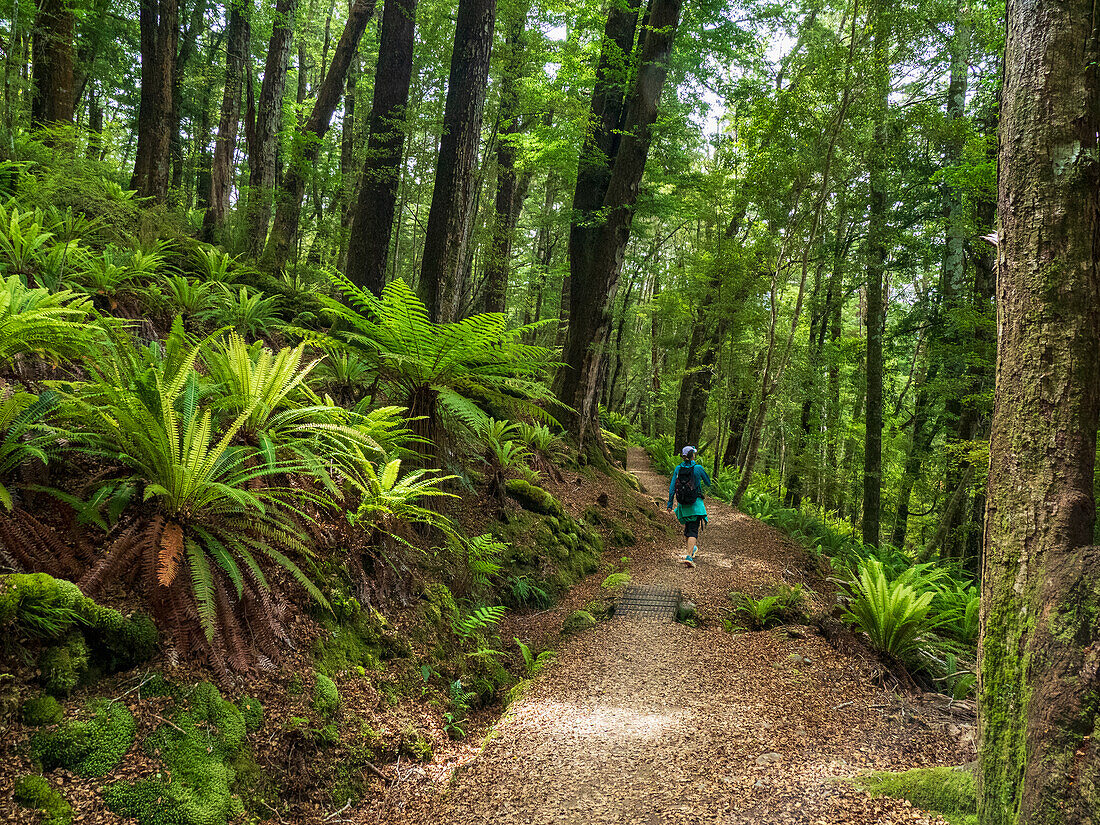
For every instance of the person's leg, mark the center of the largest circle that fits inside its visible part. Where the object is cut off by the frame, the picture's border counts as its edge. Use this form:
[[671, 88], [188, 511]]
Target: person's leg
[[691, 533], [692, 541]]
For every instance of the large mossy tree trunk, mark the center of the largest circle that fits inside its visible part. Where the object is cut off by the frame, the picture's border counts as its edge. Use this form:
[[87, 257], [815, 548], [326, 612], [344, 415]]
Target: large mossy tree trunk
[[609, 174], [372, 216], [446, 235], [1039, 656]]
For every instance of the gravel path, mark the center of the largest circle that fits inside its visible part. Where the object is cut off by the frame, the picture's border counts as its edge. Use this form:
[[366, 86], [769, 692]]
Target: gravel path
[[647, 722]]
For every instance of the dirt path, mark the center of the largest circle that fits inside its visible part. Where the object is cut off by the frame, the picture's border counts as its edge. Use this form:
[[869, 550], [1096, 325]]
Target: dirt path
[[644, 722]]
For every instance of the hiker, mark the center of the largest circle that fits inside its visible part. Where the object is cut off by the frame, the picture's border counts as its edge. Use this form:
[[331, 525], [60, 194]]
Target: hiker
[[687, 487]]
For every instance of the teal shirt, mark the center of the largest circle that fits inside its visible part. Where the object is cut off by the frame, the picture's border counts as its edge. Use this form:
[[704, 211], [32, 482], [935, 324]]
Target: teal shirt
[[697, 509]]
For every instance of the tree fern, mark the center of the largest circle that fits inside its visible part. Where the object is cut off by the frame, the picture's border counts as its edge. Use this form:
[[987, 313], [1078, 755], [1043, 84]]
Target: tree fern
[[441, 372], [41, 322]]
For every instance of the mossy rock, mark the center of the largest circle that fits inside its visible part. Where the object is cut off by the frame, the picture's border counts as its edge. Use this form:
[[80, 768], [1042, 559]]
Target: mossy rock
[[199, 750], [326, 698], [30, 603], [41, 710], [34, 792], [944, 790], [415, 745], [533, 498], [440, 605], [600, 609], [622, 537], [62, 667], [90, 747], [578, 620]]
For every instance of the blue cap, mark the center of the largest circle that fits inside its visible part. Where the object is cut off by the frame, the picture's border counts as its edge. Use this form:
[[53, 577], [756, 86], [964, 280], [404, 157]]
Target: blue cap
[[688, 451]]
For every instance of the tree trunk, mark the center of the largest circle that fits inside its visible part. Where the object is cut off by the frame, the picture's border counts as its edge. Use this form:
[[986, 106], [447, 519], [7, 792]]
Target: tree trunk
[[186, 50], [876, 266], [372, 218], [269, 115], [308, 139], [604, 211], [453, 195], [1039, 680], [52, 52], [508, 204], [237, 47], [159, 26]]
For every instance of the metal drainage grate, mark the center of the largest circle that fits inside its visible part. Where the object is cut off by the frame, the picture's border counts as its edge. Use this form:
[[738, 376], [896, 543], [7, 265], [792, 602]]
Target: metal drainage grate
[[648, 603]]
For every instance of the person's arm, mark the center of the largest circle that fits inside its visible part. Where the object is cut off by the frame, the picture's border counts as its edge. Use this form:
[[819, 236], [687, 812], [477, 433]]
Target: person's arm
[[705, 480], [671, 489]]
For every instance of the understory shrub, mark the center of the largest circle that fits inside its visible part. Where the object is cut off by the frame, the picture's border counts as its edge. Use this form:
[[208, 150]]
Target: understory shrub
[[893, 614], [88, 747]]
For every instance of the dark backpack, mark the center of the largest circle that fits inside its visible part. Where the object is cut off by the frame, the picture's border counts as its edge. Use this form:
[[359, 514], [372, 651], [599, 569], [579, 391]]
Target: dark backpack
[[686, 488]]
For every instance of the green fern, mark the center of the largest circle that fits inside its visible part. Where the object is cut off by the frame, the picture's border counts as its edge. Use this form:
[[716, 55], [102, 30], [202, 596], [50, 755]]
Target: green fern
[[533, 664], [478, 619], [442, 372], [21, 438], [41, 322], [893, 614]]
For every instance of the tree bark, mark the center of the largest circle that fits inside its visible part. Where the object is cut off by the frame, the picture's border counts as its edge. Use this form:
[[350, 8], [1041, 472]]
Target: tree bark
[[604, 211], [372, 218], [508, 203], [269, 114], [52, 52], [307, 140], [1039, 672], [238, 38], [876, 266], [158, 22], [453, 194]]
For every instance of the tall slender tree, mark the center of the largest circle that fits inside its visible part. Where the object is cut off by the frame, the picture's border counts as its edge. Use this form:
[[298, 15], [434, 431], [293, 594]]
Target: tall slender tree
[[53, 97], [307, 140], [225, 145], [265, 134], [447, 233], [158, 22], [372, 217]]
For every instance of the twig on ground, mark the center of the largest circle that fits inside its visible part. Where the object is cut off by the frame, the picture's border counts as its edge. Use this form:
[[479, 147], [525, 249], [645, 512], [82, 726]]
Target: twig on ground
[[337, 813], [170, 723]]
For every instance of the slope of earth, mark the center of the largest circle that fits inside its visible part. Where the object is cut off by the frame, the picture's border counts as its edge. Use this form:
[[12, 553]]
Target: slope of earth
[[650, 722]]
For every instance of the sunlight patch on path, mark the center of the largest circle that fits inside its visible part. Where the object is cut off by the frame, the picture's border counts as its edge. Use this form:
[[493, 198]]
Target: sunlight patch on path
[[572, 721]]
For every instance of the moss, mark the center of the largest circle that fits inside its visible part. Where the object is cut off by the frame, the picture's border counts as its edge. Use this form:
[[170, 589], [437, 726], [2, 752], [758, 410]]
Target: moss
[[415, 745], [198, 750], [252, 712], [64, 666], [41, 710], [34, 792], [41, 605], [578, 620], [89, 747], [622, 536], [533, 498], [440, 607], [326, 698], [599, 609], [945, 791]]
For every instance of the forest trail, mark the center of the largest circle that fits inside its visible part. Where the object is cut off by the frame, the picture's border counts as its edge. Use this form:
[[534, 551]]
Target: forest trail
[[647, 722]]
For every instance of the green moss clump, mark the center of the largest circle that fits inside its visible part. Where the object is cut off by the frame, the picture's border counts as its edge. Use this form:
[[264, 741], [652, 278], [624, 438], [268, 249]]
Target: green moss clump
[[198, 749], [252, 711], [326, 698], [39, 605], [440, 606], [578, 620], [948, 792], [533, 498], [415, 745], [41, 710], [64, 666], [34, 792], [89, 748]]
